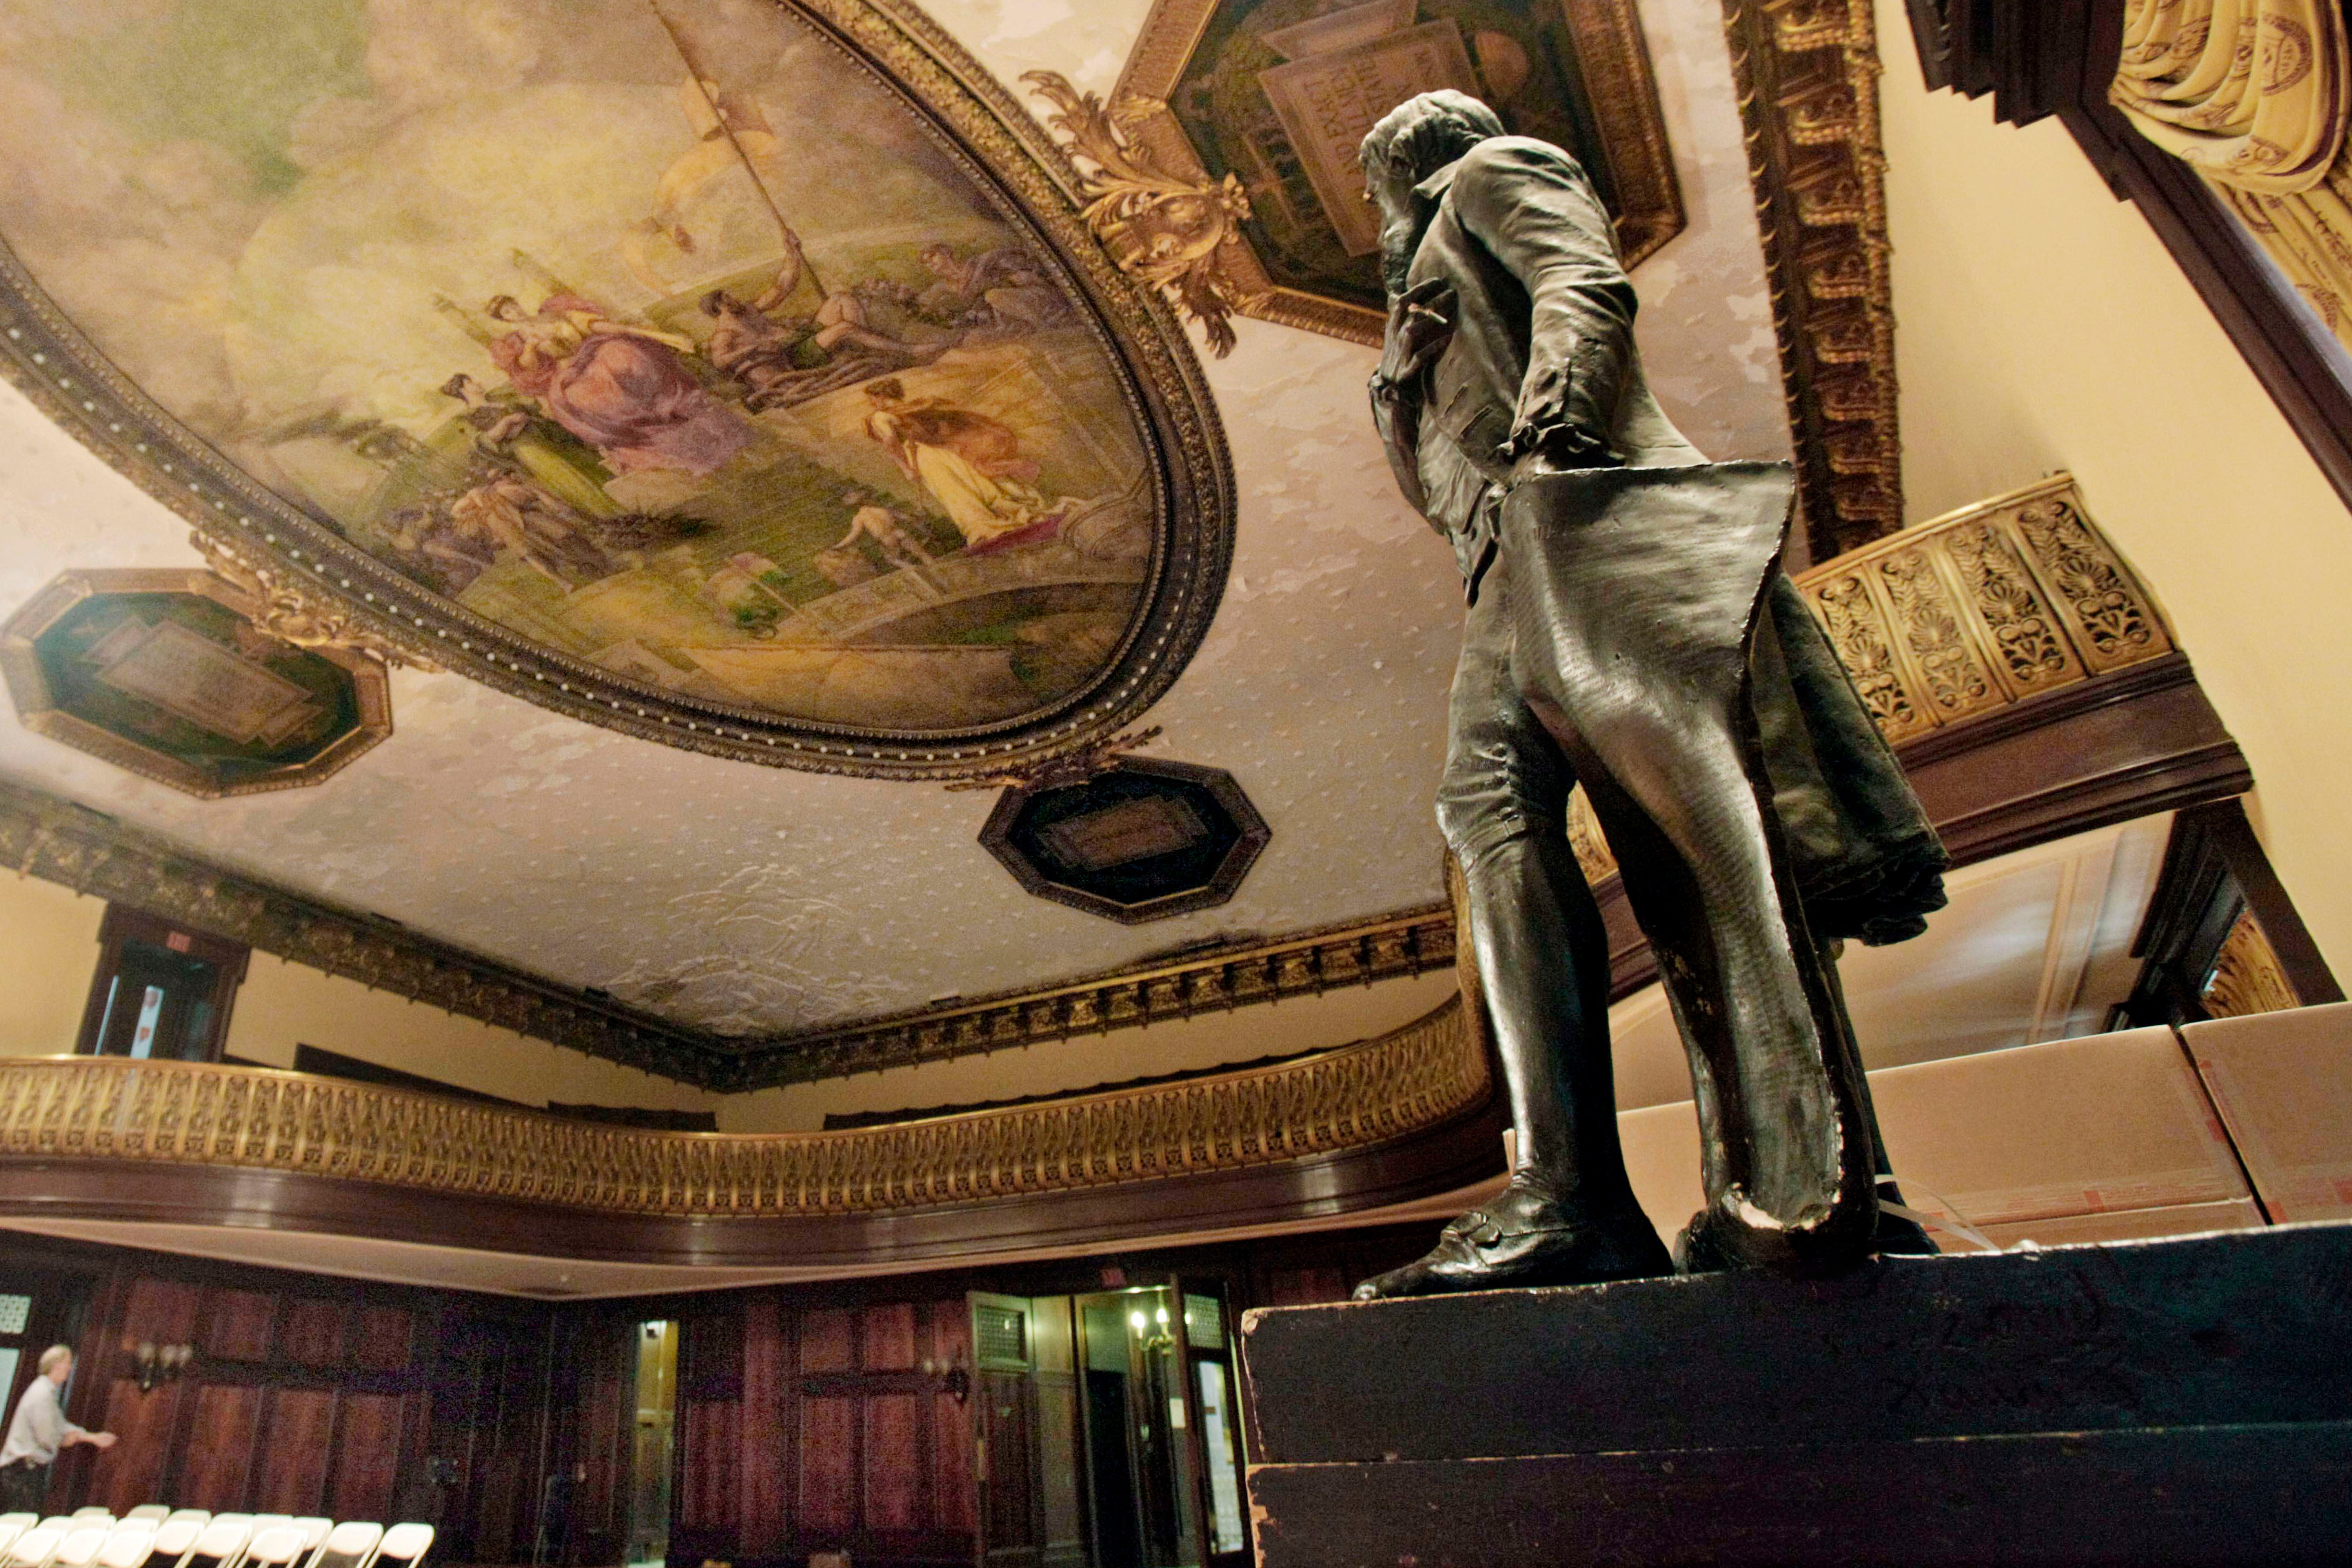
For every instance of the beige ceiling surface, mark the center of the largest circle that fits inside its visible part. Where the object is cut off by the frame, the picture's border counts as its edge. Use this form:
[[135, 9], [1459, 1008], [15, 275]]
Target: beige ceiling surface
[[751, 900]]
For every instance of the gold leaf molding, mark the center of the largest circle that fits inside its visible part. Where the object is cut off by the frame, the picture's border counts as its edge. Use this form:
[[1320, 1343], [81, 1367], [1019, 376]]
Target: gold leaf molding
[[1357, 1096], [1807, 74]]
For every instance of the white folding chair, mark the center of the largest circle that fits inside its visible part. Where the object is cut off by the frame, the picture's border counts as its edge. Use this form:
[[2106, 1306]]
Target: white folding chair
[[262, 1521], [222, 1544], [80, 1548], [156, 1511], [128, 1545], [9, 1531], [33, 1548], [279, 1546], [196, 1516], [60, 1522], [21, 1521], [404, 1546], [173, 1540], [351, 1544], [94, 1510], [314, 1536]]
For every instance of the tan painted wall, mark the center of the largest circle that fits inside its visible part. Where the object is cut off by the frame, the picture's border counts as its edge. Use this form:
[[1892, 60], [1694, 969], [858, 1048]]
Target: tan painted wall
[[2042, 325], [1274, 1028], [49, 950], [283, 1005]]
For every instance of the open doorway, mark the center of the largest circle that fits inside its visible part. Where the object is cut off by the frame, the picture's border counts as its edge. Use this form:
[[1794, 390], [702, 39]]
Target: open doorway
[[655, 1444]]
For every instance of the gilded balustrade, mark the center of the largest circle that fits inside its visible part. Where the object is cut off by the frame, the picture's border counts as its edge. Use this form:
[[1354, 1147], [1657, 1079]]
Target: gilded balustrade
[[1354, 1097]]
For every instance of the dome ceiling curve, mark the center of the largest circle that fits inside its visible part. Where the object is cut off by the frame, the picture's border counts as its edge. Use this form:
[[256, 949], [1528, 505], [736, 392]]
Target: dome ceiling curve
[[736, 374]]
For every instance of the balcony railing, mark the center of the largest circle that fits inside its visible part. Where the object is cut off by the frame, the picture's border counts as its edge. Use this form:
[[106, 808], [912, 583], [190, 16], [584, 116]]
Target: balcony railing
[[1355, 1096]]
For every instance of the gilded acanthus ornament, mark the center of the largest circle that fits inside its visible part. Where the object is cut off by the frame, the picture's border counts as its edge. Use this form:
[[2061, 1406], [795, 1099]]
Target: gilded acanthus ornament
[[1161, 228], [1072, 768], [288, 609]]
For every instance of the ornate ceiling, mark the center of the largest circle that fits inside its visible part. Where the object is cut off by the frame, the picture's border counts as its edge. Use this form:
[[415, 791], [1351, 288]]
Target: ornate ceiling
[[749, 900]]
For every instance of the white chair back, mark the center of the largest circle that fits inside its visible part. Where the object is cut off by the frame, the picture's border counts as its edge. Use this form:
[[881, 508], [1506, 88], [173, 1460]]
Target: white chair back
[[128, 1545], [80, 1546], [157, 1511], [351, 1544], [404, 1545], [276, 1547], [21, 1521], [9, 1531], [314, 1529], [94, 1510], [33, 1548], [173, 1541], [222, 1544], [189, 1515], [60, 1522]]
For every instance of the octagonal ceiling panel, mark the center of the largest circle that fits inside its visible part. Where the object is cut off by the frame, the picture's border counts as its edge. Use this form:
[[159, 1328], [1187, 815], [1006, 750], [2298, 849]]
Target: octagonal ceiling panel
[[721, 371]]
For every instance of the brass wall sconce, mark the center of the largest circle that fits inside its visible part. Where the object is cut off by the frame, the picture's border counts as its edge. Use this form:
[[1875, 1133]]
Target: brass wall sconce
[[948, 1376], [151, 1364]]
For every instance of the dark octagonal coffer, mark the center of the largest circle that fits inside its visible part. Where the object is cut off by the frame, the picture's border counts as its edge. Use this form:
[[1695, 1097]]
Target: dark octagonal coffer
[[1142, 841]]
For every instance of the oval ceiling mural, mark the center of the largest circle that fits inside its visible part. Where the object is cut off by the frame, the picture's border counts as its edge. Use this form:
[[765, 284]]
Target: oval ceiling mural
[[730, 371]]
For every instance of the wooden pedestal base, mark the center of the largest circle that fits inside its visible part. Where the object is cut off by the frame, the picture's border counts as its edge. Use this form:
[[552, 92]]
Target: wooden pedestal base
[[2187, 1400]]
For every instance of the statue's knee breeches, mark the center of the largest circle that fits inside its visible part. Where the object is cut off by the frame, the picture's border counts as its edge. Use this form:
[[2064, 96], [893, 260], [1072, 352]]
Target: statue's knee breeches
[[1506, 779]]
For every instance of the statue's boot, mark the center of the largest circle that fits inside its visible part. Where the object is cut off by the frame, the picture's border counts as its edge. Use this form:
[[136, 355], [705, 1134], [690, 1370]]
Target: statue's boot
[[1526, 1237], [1632, 644]]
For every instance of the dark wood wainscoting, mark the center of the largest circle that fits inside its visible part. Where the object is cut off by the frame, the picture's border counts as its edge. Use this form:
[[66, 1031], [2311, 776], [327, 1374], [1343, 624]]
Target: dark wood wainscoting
[[808, 1423], [305, 1396]]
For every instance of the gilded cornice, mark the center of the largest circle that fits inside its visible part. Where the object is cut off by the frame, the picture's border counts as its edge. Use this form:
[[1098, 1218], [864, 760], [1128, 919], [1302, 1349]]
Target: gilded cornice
[[59, 841], [1807, 74], [1356, 1097]]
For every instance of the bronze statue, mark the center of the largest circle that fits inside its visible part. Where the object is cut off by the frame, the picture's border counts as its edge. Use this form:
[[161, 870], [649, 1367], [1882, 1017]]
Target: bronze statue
[[1629, 630]]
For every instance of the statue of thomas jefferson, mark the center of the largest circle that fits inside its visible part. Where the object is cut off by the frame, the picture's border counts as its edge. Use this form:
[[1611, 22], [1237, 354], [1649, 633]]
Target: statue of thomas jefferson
[[1628, 628]]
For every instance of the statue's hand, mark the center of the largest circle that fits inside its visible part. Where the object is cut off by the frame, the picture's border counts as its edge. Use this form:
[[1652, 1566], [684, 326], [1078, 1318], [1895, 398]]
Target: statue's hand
[[1421, 323], [1562, 449]]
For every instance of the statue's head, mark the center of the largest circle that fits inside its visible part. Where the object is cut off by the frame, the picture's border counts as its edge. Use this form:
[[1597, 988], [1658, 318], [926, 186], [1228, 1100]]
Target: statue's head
[[1413, 141]]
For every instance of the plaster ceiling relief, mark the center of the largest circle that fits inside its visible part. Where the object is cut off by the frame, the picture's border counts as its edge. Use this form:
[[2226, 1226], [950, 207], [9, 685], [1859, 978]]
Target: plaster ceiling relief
[[728, 372], [752, 900]]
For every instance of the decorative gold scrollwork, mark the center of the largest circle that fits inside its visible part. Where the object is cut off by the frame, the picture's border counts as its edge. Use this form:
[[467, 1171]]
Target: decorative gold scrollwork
[[285, 608], [1983, 608], [1357, 1096], [1159, 228]]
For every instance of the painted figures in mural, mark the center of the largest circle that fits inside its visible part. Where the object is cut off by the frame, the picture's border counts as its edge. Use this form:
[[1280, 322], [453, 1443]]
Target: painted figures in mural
[[723, 376]]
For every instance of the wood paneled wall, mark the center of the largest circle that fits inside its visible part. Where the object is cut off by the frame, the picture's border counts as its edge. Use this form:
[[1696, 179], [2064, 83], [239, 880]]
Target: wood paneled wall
[[805, 1421], [306, 1395], [806, 1424], [804, 1427]]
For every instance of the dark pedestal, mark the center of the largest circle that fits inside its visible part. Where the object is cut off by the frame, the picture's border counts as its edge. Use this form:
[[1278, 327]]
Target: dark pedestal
[[2180, 1401]]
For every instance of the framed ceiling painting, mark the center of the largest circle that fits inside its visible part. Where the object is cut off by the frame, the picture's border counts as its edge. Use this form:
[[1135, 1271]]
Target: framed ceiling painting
[[167, 674], [1273, 96], [737, 373]]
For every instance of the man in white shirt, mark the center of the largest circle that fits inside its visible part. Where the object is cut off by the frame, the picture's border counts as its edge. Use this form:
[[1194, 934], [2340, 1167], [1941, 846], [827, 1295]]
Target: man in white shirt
[[38, 1431]]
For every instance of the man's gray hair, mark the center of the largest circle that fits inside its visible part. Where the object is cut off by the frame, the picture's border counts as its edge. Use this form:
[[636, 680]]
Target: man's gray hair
[[1426, 132], [54, 1357]]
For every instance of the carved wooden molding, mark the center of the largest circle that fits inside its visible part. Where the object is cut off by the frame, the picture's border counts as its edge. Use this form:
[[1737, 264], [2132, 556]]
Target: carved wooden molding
[[1411, 1081], [1807, 76], [1308, 964], [58, 841]]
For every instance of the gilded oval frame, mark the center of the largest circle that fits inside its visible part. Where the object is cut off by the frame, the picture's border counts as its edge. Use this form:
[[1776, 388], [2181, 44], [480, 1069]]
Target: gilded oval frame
[[982, 128]]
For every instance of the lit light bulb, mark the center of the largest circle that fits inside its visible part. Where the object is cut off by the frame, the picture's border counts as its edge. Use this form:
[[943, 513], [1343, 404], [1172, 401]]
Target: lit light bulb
[[1163, 1316], [1135, 1321]]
